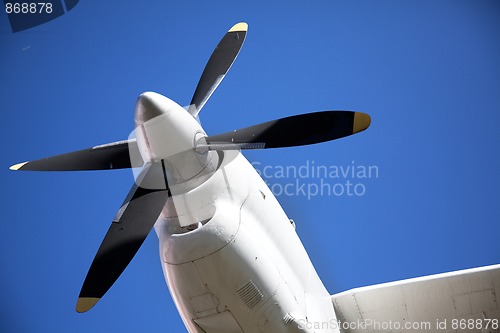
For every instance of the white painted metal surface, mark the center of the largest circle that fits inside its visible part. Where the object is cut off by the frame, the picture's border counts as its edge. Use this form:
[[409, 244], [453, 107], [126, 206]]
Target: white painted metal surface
[[461, 301], [245, 265]]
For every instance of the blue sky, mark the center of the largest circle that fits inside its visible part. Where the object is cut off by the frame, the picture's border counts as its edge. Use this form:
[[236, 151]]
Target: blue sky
[[427, 72]]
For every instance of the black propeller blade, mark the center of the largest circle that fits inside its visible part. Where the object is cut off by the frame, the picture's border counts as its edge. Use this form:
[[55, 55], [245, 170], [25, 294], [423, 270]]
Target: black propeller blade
[[109, 156], [219, 63], [125, 236], [304, 129]]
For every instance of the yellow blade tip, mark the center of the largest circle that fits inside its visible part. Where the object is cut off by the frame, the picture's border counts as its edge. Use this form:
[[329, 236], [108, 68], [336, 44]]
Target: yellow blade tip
[[17, 166], [361, 122], [84, 304], [242, 26]]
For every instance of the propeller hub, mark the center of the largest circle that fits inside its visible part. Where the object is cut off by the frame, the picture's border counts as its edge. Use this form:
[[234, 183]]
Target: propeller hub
[[149, 106], [167, 132], [163, 127]]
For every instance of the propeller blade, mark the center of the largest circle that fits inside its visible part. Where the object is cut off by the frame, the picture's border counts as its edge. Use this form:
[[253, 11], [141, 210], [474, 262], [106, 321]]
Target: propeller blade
[[125, 236], [219, 63], [109, 156], [299, 130]]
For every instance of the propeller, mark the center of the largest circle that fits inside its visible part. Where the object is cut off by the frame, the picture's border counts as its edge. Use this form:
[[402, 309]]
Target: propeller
[[145, 201], [219, 63], [127, 232], [109, 156], [299, 130]]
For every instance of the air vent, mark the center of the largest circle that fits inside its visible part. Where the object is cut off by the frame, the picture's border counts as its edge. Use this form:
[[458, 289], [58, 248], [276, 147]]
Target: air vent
[[250, 294], [288, 319]]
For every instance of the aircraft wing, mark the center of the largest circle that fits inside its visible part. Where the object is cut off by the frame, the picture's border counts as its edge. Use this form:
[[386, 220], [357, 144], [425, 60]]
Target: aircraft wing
[[461, 301]]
